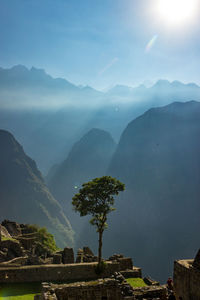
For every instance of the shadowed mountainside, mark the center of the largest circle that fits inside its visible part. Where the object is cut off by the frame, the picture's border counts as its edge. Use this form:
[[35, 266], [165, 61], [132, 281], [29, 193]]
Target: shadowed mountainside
[[89, 158], [24, 195], [158, 160], [157, 217]]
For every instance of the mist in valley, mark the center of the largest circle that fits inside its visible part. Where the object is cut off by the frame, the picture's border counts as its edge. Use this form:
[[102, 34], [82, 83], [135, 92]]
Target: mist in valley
[[90, 89]]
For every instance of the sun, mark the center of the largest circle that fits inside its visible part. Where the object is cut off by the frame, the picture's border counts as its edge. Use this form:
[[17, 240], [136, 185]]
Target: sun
[[176, 12]]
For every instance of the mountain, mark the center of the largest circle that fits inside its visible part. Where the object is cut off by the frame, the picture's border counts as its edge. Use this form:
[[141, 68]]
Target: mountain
[[24, 195], [157, 217], [43, 111], [34, 88], [89, 158], [158, 160], [21, 77]]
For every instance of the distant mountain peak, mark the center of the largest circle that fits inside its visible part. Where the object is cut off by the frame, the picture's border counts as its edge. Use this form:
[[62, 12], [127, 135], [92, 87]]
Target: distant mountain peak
[[97, 131], [36, 70], [162, 83], [19, 68]]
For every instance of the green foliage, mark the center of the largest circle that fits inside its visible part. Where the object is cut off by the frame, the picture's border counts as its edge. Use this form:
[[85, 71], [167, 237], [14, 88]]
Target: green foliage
[[136, 282], [4, 238], [96, 198], [44, 240]]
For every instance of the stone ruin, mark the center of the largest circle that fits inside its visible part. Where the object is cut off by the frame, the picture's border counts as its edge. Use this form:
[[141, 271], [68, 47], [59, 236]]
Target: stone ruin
[[18, 246], [187, 278], [113, 288], [85, 255], [18, 250], [196, 262], [66, 256]]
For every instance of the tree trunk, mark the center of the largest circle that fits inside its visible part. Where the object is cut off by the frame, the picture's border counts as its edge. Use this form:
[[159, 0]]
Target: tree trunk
[[100, 247]]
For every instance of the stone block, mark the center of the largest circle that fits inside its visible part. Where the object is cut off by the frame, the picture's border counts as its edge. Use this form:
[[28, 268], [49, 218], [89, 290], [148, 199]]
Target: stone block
[[196, 263], [79, 257], [150, 281], [68, 256], [87, 251], [57, 258], [134, 273], [125, 263]]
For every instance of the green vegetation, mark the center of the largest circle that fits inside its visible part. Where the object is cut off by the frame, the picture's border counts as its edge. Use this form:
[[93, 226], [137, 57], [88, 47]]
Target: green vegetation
[[45, 240], [95, 198], [136, 282], [19, 291], [4, 238]]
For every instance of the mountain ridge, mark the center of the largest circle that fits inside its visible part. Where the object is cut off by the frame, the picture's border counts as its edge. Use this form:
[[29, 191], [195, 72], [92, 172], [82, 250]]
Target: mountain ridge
[[20, 70], [24, 195]]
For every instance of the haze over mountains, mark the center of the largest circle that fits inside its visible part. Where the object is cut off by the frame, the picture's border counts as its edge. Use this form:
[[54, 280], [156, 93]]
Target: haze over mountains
[[157, 217], [89, 158], [75, 129], [44, 111]]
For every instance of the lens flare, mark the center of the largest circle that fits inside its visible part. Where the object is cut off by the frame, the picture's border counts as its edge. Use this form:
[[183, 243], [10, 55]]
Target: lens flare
[[151, 43]]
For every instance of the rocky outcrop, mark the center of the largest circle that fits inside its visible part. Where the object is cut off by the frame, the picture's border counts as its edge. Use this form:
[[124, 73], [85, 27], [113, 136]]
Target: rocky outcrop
[[20, 245], [12, 249], [4, 232], [12, 227]]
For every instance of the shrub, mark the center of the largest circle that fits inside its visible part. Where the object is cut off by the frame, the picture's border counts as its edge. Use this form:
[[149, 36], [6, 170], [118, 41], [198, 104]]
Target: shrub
[[45, 243]]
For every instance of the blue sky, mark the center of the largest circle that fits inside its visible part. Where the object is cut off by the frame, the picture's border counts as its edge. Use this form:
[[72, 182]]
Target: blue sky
[[97, 42]]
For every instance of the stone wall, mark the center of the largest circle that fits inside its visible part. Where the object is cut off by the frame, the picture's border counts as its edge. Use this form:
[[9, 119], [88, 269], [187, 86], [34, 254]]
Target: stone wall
[[151, 292], [135, 272], [108, 289], [186, 280], [83, 271], [125, 263], [101, 289]]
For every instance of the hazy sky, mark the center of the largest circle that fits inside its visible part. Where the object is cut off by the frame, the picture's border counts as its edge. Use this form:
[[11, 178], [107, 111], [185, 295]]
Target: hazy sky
[[99, 42]]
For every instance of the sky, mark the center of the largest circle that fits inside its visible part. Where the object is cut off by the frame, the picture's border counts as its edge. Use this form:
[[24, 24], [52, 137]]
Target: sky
[[100, 43]]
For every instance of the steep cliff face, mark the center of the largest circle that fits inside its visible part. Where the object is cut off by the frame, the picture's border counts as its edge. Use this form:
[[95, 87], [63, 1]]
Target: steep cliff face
[[158, 158], [161, 143], [88, 158], [24, 195]]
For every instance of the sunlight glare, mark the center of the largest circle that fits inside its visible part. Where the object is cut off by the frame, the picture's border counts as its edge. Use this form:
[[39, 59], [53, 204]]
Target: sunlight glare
[[176, 12]]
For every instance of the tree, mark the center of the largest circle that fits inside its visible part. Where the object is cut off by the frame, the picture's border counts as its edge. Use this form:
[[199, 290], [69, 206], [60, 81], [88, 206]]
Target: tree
[[95, 198]]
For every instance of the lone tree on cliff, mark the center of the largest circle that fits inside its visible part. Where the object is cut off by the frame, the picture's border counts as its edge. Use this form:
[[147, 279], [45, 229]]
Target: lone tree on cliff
[[95, 198]]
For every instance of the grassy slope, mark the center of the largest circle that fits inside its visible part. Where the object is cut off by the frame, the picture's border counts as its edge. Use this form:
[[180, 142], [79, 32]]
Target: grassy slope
[[4, 238], [136, 282], [19, 291]]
